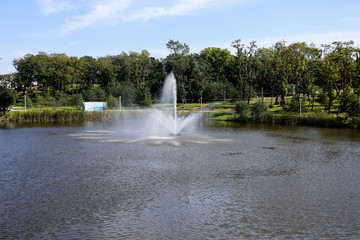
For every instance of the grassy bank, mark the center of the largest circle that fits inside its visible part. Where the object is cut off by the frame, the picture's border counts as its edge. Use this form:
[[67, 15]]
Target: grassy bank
[[223, 112], [323, 120], [64, 115]]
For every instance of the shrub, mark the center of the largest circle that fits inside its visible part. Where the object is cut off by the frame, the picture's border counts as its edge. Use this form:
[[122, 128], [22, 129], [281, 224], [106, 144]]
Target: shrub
[[143, 97], [112, 102], [7, 98], [353, 109], [323, 99], [258, 111], [39, 101], [29, 102], [241, 108], [294, 105], [77, 100]]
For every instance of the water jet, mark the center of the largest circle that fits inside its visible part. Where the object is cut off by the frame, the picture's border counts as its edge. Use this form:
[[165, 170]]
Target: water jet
[[166, 116]]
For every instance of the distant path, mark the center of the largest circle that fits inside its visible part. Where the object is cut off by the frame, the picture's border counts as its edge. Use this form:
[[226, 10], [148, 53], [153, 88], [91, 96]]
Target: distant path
[[211, 106], [16, 110]]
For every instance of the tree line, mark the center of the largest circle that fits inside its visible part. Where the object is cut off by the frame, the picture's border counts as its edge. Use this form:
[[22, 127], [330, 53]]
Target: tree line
[[329, 72]]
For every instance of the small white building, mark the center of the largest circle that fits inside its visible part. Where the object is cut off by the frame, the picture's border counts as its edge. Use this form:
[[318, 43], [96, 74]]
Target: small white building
[[90, 106]]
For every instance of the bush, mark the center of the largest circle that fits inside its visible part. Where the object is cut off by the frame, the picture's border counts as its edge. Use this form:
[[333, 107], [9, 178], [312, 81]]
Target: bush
[[143, 97], [294, 105], [29, 102], [349, 100], [353, 109], [128, 94], [60, 99], [112, 102], [39, 101], [258, 111], [77, 100], [7, 98], [323, 99], [241, 108]]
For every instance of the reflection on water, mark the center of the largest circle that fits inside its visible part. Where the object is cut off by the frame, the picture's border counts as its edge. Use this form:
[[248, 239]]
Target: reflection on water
[[95, 180]]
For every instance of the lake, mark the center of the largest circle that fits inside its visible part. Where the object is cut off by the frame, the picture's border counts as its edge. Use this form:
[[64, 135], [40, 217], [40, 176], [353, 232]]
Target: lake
[[104, 180]]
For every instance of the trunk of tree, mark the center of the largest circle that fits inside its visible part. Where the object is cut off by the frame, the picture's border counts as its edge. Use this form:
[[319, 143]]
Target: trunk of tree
[[330, 95], [313, 98], [243, 92], [282, 99], [249, 92], [342, 101]]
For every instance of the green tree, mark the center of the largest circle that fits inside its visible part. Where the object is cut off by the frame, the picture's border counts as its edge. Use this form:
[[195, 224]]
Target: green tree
[[219, 59], [313, 74], [277, 76], [239, 65], [176, 47], [296, 65], [7, 98], [294, 105], [26, 71], [112, 102], [241, 107], [143, 97], [258, 111], [343, 62], [77, 100]]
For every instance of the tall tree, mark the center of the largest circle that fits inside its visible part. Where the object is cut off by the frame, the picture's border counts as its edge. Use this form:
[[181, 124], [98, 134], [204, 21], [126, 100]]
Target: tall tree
[[26, 71], [176, 47], [313, 74], [240, 63]]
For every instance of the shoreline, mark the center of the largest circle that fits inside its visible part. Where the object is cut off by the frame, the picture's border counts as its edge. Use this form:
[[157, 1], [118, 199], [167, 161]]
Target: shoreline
[[318, 120]]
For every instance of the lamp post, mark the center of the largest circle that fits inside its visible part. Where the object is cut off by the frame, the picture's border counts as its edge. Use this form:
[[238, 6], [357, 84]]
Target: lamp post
[[224, 96], [120, 103], [201, 103], [25, 101]]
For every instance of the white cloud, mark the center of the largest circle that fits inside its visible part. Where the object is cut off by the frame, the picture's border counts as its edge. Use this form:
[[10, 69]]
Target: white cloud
[[183, 7], [113, 10], [105, 10], [52, 6]]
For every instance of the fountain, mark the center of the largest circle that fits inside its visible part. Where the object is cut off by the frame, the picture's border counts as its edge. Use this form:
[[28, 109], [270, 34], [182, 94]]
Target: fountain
[[165, 116], [162, 126]]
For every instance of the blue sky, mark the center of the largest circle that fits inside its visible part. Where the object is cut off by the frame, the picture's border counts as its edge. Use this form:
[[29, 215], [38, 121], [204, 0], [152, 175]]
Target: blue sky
[[108, 27]]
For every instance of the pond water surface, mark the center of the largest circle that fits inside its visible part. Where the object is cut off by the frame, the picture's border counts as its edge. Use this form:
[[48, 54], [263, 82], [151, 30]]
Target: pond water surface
[[225, 181]]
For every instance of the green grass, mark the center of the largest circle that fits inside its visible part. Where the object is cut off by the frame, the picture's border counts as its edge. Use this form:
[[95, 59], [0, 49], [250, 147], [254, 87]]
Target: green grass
[[222, 112]]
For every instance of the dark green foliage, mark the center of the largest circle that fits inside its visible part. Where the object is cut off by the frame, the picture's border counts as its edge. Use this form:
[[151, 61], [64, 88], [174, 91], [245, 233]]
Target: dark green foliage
[[59, 99], [112, 102], [143, 97], [77, 100], [258, 111], [94, 94], [294, 104], [39, 101], [128, 94], [323, 99], [348, 100], [353, 109], [29, 102], [7, 98], [251, 71], [241, 107]]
